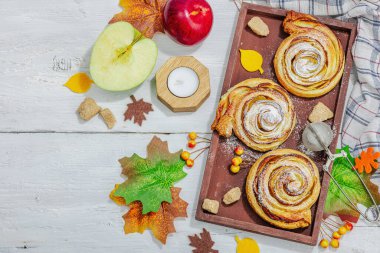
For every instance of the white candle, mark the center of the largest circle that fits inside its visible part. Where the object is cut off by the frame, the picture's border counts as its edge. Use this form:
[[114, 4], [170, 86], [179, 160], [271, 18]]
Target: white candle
[[183, 82]]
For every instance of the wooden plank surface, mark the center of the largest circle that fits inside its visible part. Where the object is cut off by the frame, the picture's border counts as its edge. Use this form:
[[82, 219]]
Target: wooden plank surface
[[35, 36], [56, 171], [54, 198]]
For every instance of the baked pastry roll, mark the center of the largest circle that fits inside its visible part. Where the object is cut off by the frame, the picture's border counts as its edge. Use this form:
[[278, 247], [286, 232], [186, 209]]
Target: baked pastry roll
[[310, 62], [282, 186], [259, 112]]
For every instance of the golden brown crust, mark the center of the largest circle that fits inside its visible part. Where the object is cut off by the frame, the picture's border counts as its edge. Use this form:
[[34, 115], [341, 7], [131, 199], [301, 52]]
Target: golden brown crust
[[310, 62], [282, 186], [259, 112]]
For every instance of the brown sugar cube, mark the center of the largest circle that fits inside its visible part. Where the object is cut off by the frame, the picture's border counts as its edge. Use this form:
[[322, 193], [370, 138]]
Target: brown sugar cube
[[108, 118], [232, 196], [211, 206], [320, 113], [88, 109], [258, 26]]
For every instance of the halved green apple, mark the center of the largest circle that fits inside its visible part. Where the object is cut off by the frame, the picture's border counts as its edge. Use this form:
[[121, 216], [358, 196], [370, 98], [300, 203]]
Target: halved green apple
[[122, 58]]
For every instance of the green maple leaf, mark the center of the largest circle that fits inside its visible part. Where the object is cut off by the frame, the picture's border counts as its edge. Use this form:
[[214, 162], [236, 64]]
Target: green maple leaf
[[336, 202], [149, 180]]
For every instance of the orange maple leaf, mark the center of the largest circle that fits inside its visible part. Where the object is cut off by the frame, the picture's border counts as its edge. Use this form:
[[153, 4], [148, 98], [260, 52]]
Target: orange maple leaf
[[161, 222], [147, 16], [367, 161]]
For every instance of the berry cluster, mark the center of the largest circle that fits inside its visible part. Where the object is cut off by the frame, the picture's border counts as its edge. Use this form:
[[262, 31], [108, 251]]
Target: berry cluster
[[237, 160], [185, 155], [338, 230]]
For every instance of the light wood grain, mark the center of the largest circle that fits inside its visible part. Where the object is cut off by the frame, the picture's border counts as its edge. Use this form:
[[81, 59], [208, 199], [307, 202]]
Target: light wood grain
[[54, 198], [34, 37], [178, 104]]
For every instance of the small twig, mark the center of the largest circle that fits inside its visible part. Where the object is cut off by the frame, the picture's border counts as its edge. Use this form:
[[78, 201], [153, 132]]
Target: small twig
[[203, 138], [195, 151], [324, 232], [327, 226], [204, 149], [332, 225], [203, 142], [337, 225]]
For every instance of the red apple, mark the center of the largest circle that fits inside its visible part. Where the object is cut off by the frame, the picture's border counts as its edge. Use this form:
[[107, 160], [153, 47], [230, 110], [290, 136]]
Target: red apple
[[188, 21]]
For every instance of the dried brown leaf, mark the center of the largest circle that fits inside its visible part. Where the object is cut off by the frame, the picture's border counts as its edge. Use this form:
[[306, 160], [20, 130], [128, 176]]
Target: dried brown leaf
[[136, 110], [202, 243], [145, 15]]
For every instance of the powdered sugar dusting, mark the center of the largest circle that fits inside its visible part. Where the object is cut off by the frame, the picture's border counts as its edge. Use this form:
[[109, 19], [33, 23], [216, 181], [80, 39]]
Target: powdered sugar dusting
[[306, 151], [228, 145]]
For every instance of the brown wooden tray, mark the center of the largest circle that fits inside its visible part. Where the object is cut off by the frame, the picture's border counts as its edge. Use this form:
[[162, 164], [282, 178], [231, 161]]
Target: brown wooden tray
[[217, 179]]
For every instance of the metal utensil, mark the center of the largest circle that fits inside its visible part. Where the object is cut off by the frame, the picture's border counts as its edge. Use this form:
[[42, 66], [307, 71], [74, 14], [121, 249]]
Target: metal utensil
[[322, 129], [374, 210]]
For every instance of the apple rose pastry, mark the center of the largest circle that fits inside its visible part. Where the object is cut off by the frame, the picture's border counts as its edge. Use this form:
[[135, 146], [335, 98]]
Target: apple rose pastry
[[310, 62], [282, 185], [259, 112]]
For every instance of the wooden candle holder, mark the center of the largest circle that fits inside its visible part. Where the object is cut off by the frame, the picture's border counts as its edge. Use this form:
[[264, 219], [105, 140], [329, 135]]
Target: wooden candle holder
[[188, 104]]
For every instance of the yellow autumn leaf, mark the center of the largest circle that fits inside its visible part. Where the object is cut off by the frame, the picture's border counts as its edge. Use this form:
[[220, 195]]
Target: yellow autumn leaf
[[251, 60], [246, 245], [79, 83], [118, 200]]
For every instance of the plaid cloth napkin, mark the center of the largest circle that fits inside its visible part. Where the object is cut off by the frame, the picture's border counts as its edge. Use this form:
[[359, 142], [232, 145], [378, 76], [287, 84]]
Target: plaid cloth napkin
[[361, 126]]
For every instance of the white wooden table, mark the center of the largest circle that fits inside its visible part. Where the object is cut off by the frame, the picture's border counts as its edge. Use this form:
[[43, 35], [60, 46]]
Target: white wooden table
[[56, 171]]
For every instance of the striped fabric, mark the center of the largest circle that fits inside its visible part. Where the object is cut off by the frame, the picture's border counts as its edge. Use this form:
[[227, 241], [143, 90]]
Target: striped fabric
[[361, 126]]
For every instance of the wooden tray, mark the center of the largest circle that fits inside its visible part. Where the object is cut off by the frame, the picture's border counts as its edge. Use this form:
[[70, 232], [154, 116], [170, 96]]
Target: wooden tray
[[217, 179]]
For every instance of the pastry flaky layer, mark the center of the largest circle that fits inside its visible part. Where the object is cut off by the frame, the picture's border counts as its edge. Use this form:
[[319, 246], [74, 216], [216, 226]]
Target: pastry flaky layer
[[310, 62], [259, 112], [282, 186]]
